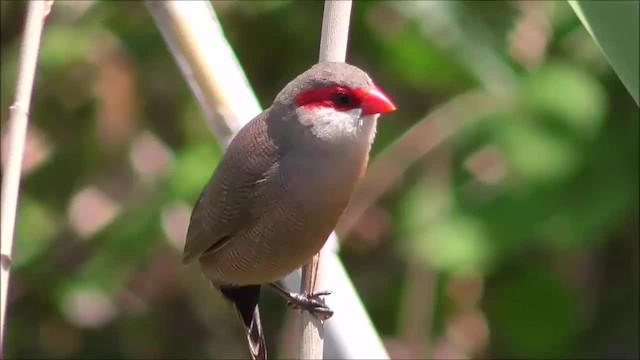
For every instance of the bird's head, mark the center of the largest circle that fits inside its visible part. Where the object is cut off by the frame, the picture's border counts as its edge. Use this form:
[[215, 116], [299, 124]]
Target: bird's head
[[336, 101]]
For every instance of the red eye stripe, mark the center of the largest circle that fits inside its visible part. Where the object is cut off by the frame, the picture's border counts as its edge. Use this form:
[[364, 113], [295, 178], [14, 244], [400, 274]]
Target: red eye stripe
[[328, 97]]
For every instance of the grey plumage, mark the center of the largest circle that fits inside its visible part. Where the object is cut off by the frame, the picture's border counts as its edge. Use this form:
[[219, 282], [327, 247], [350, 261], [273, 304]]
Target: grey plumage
[[278, 191], [272, 203]]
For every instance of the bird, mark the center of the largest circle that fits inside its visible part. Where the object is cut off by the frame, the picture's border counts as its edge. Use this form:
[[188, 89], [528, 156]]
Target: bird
[[280, 188]]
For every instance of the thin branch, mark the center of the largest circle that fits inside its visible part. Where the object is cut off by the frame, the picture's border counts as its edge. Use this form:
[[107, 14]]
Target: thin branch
[[37, 11], [204, 56], [350, 332], [420, 289], [418, 306], [333, 47], [194, 36], [335, 30]]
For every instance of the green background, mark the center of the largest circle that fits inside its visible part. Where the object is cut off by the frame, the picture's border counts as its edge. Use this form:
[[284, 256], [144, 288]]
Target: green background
[[516, 237]]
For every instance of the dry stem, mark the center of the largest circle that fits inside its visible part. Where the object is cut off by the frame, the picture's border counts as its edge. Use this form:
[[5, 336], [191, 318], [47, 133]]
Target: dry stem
[[333, 47], [17, 131]]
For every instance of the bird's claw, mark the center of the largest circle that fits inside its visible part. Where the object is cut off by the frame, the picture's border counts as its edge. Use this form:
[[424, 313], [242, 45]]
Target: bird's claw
[[312, 303]]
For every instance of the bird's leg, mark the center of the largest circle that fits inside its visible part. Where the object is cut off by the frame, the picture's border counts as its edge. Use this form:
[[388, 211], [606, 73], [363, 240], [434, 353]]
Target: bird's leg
[[313, 303]]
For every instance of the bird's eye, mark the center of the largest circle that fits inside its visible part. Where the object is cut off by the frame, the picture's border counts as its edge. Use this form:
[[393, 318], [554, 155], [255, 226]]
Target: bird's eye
[[341, 98]]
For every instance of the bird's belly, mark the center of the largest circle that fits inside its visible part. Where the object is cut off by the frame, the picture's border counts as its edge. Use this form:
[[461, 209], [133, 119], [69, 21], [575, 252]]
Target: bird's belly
[[270, 250], [281, 241], [258, 257]]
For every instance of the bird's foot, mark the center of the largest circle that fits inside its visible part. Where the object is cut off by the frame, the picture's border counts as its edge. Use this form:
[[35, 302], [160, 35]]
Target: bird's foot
[[312, 303]]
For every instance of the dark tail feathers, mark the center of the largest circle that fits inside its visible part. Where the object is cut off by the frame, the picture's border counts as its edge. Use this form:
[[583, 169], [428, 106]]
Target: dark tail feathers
[[245, 299], [255, 337]]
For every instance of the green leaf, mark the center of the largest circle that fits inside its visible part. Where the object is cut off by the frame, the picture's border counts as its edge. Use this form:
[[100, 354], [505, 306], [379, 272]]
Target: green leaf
[[573, 98], [615, 28], [458, 243], [59, 54], [419, 63], [533, 314], [448, 242], [421, 204], [459, 34], [536, 154], [192, 169], [36, 226]]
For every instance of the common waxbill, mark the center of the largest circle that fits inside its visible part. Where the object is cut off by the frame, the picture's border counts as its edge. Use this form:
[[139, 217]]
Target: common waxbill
[[281, 186]]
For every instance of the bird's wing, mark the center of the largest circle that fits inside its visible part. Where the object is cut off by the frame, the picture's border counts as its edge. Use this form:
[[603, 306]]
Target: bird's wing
[[231, 201]]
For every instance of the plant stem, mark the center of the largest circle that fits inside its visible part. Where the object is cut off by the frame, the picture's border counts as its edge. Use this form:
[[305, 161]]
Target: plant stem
[[333, 47], [37, 11], [193, 33]]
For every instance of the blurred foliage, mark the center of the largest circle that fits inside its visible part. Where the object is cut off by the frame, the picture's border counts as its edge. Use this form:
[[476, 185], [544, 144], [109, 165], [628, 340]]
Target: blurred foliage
[[527, 218]]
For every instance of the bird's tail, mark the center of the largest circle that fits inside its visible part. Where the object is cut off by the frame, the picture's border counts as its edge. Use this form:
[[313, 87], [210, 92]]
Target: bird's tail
[[245, 300], [255, 337]]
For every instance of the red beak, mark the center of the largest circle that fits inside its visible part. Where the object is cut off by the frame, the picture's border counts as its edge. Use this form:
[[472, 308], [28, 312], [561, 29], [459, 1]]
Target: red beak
[[374, 101]]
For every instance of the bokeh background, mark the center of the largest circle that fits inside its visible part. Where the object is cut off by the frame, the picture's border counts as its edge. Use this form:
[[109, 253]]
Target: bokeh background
[[498, 219]]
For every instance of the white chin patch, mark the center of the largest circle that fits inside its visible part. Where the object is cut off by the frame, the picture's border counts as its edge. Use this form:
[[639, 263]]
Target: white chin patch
[[334, 126]]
